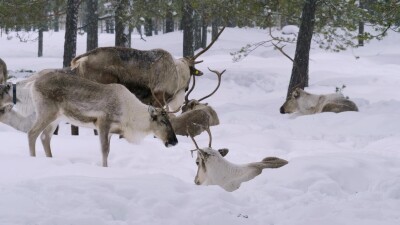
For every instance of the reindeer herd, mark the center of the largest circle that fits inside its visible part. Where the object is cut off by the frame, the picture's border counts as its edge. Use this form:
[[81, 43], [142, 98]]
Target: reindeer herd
[[135, 93]]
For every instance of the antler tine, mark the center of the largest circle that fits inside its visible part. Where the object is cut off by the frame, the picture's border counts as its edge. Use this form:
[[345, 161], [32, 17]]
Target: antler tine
[[155, 98], [191, 89], [219, 83], [209, 46], [190, 135]]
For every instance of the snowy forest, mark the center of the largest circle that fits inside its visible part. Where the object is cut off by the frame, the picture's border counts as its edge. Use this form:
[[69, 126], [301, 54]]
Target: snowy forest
[[217, 112]]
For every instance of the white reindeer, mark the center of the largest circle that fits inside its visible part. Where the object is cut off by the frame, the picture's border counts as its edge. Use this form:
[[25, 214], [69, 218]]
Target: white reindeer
[[306, 103], [214, 169], [111, 109]]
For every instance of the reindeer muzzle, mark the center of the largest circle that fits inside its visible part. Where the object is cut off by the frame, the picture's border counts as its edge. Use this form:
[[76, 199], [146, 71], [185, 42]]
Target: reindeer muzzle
[[171, 142], [282, 110]]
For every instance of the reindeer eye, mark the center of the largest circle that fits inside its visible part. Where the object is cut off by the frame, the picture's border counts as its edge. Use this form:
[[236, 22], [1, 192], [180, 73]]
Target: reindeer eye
[[197, 162]]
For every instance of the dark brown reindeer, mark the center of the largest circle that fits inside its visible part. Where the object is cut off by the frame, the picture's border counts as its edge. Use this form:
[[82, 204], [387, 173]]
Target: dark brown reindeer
[[111, 109], [196, 117], [3, 72], [136, 69]]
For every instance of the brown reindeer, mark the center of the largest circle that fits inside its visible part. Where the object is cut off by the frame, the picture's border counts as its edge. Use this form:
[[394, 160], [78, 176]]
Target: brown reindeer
[[137, 69], [111, 109], [196, 117], [3, 72]]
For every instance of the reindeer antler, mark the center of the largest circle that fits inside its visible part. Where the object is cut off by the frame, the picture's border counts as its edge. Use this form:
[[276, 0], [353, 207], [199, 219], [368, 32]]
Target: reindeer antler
[[219, 74], [165, 103], [190, 90], [191, 136], [208, 47]]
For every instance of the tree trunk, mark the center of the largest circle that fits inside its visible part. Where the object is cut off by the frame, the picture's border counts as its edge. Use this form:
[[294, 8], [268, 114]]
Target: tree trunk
[[197, 31], [56, 23], [92, 19], [214, 28], [92, 25], [204, 33], [361, 28], [121, 38], [71, 30], [299, 77], [148, 27], [187, 25], [40, 44], [169, 22]]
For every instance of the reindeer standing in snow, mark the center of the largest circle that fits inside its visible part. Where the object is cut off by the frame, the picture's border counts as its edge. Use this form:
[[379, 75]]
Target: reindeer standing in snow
[[214, 169], [306, 103], [142, 72], [111, 109]]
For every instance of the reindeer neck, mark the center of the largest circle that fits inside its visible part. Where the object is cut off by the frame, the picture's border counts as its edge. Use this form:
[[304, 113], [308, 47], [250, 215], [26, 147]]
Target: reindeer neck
[[17, 121]]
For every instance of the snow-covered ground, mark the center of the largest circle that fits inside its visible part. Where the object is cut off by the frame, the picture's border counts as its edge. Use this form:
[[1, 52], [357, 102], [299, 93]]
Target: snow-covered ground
[[343, 168]]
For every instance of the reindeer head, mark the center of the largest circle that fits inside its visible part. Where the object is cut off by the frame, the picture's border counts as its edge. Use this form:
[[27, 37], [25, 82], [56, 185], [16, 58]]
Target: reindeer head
[[291, 105], [6, 101], [195, 104], [202, 160], [191, 61], [161, 127]]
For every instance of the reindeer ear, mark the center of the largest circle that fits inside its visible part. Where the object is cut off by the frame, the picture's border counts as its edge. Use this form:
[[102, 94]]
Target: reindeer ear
[[223, 151], [296, 93]]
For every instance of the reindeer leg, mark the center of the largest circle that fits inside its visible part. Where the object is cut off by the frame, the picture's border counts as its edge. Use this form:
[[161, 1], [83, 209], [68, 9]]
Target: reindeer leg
[[46, 136], [104, 135], [41, 123]]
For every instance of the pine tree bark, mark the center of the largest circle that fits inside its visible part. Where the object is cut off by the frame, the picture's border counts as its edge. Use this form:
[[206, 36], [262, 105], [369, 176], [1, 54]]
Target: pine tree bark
[[121, 38], [299, 77], [92, 25], [204, 33], [71, 30], [188, 29], [169, 22], [148, 27], [40, 42], [197, 31], [214, 28]]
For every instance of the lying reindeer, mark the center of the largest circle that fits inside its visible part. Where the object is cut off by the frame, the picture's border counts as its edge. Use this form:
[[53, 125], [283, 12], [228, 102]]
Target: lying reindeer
[[112, 109], [214, 169], [306, 103], [137, 70], [3, 72], [196, 117]]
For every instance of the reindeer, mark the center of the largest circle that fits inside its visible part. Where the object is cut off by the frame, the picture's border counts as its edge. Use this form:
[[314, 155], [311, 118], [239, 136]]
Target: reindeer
[[111, 109], [306, 103], [136, 70], [3, 72], [196, 117], [214, 169]]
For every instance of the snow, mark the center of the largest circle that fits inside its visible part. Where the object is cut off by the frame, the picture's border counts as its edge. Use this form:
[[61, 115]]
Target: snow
[[290, 29], [343, 168]]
